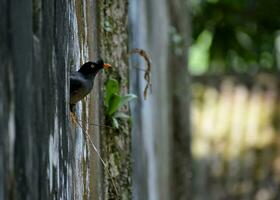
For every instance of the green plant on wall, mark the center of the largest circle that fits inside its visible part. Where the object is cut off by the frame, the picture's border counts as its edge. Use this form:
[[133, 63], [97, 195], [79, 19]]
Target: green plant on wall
[[114, 101]]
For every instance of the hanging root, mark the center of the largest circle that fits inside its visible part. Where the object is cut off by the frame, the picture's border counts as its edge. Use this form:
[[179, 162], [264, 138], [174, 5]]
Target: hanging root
[[76, 121], [98, 125], [147, 75]]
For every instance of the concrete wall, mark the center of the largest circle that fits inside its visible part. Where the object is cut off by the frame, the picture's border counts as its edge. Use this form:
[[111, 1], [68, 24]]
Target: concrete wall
[[160, 131]]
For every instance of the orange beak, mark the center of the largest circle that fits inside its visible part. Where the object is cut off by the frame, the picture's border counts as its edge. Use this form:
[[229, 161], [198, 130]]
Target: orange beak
[[106, 66]]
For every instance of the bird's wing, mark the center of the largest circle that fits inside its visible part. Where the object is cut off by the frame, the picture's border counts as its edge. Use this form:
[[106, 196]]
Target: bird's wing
[[75, 84]]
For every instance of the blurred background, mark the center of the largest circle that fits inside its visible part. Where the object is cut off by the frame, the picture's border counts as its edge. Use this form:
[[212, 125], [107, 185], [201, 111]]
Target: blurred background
[[234, 62], [229, 94]]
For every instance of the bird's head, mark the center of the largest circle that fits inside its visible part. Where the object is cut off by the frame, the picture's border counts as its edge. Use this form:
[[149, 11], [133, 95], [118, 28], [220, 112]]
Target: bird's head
[[100, 63], [93, 67]]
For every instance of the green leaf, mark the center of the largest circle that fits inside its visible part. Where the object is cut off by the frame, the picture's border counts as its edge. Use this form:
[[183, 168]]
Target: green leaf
[[112, 87], [126, 98], [121, 115], [114, 104], [107, 26], [115, 123], [117, 101]]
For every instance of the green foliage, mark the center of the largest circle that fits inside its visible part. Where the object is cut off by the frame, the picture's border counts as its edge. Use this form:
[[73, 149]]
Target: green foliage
[[107, 26], [114, 101], [199, 53], [243, 35]]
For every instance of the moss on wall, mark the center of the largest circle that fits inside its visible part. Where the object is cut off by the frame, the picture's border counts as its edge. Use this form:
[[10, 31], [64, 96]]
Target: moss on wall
[[116, 144]]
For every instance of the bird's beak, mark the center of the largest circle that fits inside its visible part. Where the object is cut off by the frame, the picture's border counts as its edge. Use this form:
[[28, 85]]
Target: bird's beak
[[106, 66]]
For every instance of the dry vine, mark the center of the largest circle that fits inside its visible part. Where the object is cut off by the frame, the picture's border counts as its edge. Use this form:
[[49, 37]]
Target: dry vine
[[147, 75], [76, 121]]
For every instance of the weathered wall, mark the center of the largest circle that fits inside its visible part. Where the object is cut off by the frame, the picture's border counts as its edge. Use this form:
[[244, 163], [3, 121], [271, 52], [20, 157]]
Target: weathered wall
[[116, 144], [42, 154], [160, 131], [151, 128], [45, 156], [34, 82]]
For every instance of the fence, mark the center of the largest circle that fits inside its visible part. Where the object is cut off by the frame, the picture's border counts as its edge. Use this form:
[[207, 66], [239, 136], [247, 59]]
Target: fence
[[236, 138]]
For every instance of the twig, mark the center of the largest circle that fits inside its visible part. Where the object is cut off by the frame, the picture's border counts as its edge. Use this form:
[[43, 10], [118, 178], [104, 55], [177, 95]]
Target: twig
[[97, 152], [93, 124]]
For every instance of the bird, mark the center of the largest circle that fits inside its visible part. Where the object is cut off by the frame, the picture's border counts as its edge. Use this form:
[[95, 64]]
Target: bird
[[81, 81]]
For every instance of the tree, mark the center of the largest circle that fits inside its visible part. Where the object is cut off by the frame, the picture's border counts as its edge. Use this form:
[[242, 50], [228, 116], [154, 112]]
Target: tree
[[241, 35]]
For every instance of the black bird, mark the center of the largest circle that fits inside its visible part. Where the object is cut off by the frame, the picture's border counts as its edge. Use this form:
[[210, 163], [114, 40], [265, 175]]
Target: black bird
[[81, 81]]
